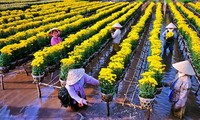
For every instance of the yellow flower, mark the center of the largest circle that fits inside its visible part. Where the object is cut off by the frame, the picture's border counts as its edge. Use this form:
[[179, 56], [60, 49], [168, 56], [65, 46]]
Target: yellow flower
[[169, 34], [37, 62]]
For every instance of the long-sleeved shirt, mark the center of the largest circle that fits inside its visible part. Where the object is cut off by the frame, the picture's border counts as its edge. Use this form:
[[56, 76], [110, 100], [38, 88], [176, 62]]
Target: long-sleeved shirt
[[79, 87], [116, 36], [55, 40], [182, 87]]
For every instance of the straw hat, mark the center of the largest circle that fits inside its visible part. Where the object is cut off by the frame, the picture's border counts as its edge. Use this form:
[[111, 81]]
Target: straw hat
[[117, 25], [184, 67], [171, 25], [74, 75], [53, 29]]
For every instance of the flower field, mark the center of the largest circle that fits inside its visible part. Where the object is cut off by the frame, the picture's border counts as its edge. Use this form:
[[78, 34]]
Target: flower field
[[85, 31], [26, 32]]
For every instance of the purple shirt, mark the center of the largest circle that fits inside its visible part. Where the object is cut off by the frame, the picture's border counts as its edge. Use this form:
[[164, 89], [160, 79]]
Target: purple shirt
[[79, 87], [55, 40]]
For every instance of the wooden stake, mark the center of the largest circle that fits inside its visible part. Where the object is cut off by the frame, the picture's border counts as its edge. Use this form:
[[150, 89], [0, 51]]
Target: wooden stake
[[38, 88], [148, 114], [2, 83], [108, 109]]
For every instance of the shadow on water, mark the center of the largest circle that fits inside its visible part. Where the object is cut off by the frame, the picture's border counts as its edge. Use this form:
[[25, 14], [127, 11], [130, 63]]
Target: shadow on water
[[30, 111]]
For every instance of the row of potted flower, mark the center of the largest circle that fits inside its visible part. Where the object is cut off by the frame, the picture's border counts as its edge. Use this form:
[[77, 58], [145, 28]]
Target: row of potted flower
[[23, 5], [27, 25], [91, 45], [190, 36], [151, 78], [190, 15], [17, 51], [65, 27], [195, 6], [92, 8], [107, 7], [31, 32], [44, 9], [108, 76], [68, 44], [45, 20], [10, 53], [29, 13], [38, 12], [9, 12]]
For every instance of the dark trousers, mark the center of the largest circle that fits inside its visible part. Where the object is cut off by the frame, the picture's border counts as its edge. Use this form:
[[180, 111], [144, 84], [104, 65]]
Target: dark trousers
[[168, 45]]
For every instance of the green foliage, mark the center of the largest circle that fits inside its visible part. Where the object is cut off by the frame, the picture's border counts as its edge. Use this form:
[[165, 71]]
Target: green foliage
[[185, 1], [107, 88], [38, 70], [168, 1], [63, 73], [4, 60], [147, 90]]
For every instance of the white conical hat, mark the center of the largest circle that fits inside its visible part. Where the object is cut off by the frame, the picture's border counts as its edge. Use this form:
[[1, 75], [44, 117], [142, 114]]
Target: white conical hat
[[74, 75], [171, 25], [53, 29], [117, 25], [184, 67]]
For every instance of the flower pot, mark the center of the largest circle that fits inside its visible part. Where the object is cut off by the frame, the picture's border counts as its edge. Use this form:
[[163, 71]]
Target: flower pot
[[37, 79], [62, 82], [146, 103], [107, 97], [4, 69]]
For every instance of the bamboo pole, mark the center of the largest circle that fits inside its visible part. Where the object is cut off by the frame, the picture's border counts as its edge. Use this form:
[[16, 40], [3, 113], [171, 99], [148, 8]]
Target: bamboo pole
[[2, 82]]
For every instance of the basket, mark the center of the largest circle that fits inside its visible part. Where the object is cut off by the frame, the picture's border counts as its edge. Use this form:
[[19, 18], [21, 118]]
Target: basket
[[37, 79], [62, 83], [146, 103], [107, 97]]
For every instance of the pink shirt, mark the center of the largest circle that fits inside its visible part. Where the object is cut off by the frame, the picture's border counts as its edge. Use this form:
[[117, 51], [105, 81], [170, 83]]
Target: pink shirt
[[79, 87], [55, 40]]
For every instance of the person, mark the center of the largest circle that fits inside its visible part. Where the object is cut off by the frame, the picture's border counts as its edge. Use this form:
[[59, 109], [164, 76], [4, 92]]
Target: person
[[76, 79], [169, 36], [55, 32], [182, 85], [116, 35]]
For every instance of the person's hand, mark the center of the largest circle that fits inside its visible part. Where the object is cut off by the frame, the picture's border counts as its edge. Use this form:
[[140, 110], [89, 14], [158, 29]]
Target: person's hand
[[82, 102]]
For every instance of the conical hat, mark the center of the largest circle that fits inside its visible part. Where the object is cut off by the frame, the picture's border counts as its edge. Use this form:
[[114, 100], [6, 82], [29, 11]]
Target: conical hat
[[117, 25], [53, 29], [184, 67], [171, 25], [74, 75]]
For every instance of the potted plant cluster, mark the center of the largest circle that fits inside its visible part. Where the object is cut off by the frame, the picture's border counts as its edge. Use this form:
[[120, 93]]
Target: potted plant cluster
[[147, 90], [107, 83], [38, 70], [4, 63], [66, 64]]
